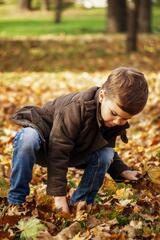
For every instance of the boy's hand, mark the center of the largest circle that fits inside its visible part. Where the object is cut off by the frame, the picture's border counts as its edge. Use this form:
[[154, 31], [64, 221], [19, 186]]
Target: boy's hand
[[61, 203], [130, 175]]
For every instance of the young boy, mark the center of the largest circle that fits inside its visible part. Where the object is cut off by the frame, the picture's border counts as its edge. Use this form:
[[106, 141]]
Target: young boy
[[77, 130]]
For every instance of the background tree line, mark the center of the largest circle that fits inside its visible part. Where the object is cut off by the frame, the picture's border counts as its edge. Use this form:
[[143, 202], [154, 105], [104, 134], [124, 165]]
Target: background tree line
[[130, 16], [116, 12]]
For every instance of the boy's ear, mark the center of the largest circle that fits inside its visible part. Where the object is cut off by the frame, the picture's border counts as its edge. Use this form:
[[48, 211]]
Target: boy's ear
[[101, 95]]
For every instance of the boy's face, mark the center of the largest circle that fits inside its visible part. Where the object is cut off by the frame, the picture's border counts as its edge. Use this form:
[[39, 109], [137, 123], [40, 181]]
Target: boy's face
[[112, 115]]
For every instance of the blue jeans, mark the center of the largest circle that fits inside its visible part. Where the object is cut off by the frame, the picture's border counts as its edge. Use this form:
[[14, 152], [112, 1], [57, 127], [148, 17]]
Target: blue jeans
[[26, 149]]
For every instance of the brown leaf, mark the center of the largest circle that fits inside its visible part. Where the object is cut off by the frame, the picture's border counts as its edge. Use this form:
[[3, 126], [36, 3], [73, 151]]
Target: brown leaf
[[11, 220], [69, 232], [81, 211]]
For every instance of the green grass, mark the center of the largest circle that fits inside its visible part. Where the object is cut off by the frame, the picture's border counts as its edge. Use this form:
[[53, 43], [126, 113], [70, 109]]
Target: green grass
[[37, 23], [75, 21], [156, 18], [38, 27]]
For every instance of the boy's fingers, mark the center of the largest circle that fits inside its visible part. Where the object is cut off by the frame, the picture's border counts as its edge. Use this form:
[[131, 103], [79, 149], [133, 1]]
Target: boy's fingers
[[137, 174], [133, 177]]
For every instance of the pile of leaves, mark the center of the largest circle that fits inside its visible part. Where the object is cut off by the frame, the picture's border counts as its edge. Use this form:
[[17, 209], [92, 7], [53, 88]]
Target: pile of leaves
[[122, 210]]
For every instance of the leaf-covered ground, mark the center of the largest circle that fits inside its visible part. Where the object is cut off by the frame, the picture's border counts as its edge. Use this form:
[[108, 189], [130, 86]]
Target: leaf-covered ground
[[77, 53], [124, 210]]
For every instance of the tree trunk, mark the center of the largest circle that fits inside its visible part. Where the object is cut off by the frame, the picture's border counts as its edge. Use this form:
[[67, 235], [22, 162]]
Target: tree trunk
[[58, 10], [117, 14], [132, 28], [25, 4], [144, 20]]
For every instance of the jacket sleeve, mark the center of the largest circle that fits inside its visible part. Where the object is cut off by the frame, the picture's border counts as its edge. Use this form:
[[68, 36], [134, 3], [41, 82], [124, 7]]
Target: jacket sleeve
[[65, 129], [117, 167]]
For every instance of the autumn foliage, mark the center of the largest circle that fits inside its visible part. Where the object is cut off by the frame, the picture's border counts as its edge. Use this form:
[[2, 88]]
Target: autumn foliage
[[122, 210]]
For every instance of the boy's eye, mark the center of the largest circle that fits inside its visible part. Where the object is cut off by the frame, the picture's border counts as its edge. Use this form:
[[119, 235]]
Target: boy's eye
[[113, 113]]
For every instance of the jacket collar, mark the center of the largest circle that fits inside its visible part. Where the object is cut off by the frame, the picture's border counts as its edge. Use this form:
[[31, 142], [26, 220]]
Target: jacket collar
[[98, 107]]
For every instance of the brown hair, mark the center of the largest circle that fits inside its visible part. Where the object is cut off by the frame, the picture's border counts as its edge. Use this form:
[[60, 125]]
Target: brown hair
[[128, 87]]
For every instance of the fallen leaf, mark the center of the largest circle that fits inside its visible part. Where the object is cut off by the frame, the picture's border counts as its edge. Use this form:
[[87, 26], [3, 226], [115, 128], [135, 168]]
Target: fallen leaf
[[68, 232], [30, 228], [154, 174]]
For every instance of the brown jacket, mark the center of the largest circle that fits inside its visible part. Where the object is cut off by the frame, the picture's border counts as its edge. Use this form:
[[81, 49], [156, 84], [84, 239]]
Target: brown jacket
[[70, 129]]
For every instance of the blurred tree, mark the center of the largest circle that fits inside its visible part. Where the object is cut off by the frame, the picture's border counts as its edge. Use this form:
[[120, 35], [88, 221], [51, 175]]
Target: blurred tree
[[25, 4], [58, 10], [61, 5], [132, 27], [144, 20], [117, 15], [131, 16]]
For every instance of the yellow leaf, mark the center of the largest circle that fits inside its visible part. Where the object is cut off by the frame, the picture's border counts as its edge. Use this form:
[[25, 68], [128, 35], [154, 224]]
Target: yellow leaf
[[125, 202], [123, 193], [109, 185], [154, 174]]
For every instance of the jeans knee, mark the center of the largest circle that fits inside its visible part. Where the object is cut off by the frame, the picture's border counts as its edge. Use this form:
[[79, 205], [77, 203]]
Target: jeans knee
[[105, 157], [28, 139]]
